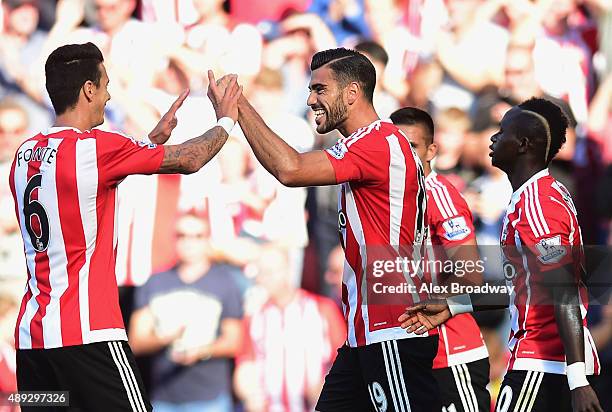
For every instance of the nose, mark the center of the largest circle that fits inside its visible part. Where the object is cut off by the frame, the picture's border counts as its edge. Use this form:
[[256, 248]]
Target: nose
[[311, 99]]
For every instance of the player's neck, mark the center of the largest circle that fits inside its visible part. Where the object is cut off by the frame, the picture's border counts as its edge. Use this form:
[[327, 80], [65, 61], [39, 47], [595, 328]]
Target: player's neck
[[74, 118], [360, 119], [523, 173], [427, 168]]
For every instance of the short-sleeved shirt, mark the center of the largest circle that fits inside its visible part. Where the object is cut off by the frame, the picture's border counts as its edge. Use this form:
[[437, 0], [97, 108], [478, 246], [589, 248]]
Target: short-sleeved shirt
[[64, 184], [541, 233], [450, 224], [292, 347], [381, 217], [199, 307]]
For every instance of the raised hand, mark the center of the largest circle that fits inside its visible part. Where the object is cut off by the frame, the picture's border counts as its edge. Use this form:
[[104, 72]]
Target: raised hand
[[162, 131], [224, 95], [425, 316]]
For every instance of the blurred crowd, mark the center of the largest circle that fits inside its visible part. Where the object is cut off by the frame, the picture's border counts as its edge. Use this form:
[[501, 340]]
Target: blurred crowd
[[230, 282]]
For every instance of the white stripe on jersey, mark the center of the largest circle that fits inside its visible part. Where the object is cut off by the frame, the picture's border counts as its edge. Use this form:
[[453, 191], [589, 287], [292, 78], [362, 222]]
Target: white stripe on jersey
[[349, 279], [361, 134], [58, 262], [437, 196], [397, 179], [87, 186], [529, 213], [447, 196], [539, 213], [353, 219], [21, 180]]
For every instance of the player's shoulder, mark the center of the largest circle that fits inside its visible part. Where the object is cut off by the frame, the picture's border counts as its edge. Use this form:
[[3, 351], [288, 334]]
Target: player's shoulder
[[115, 138], [445, 192], [374, 136]]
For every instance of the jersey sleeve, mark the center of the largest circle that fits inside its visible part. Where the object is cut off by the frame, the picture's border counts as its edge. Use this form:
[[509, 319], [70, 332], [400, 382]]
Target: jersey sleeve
[[120, 156], [357, 161], [549, 230], [450, 219]]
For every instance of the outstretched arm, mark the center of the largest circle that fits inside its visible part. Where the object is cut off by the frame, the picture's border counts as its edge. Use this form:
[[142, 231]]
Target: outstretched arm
[[287, 165], [192, 155]]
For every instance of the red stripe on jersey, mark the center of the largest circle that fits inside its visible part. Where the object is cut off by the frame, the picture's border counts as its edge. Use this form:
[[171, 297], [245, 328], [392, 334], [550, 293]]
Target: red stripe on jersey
[[358, 323], [103, 292], [28, 295], [41, 261], [74, 240]]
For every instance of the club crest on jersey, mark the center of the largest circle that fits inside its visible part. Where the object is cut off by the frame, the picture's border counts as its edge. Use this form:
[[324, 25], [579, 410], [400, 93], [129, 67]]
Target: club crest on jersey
[[551, 250], [147, 145], [456, 228], [338, 150]]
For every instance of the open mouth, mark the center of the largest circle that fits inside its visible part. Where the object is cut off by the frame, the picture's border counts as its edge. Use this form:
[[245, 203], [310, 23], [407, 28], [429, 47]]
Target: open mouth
[[319, 114]]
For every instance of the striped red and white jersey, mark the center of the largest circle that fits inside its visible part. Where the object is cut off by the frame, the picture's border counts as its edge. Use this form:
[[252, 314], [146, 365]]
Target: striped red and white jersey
[[381, 217], [451, 224], [292, 348], [540, 233], [64, 184]]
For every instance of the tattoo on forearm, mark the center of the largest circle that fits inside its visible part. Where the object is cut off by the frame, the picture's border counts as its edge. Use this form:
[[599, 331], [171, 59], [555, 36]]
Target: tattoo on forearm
[[190, 156]]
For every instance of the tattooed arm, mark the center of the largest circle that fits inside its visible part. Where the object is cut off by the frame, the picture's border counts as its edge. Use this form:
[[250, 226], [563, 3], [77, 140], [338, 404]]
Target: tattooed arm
[[192, 155]]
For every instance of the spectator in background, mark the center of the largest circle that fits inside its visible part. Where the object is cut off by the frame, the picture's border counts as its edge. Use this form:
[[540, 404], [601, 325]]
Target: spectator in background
[[14, 129], [20, 48], [283, 219], [384, 102], [332, 278], [452, 125], [563, 60], [600, 119], [345, 18], [291, 342], [9, 308], [189, 319], [471, 48]]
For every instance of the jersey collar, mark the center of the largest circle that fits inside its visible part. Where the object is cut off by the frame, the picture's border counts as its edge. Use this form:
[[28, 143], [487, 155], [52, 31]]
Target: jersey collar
[[517, 193], [56, 129], [431, 176]]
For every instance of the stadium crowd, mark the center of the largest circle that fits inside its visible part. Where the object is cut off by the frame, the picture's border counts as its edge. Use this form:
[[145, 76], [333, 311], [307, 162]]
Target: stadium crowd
[[259, 330]]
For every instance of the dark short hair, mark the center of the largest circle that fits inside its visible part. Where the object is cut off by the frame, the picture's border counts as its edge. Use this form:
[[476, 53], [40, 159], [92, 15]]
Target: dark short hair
[[412, 116], [374, 50], [348, 66], [67, 69], [533, 128]]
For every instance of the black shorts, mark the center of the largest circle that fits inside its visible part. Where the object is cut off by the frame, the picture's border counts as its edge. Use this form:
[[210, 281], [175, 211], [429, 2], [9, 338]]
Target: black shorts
[[463, 388], [390, 376], [529, 391], [98, 377]]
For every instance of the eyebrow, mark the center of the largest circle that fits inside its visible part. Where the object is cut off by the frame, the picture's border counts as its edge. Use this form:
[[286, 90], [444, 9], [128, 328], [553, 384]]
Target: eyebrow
[[316, 86]]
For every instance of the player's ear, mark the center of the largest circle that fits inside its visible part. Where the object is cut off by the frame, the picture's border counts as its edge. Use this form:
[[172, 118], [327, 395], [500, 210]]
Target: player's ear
[[523, 144], [432, 151], [89, 89], [352, 91]]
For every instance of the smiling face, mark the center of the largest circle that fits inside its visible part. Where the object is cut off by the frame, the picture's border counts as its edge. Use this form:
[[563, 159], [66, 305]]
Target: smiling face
[[326, 99], [505, 144]]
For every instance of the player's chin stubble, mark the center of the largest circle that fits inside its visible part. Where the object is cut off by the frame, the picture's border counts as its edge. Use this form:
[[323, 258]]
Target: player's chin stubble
[[336, 114]]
